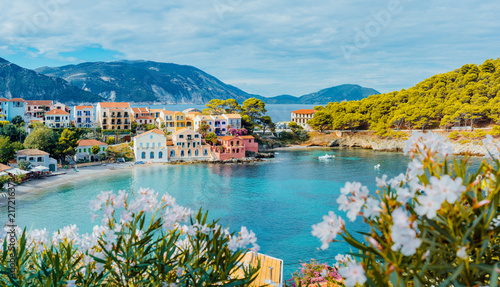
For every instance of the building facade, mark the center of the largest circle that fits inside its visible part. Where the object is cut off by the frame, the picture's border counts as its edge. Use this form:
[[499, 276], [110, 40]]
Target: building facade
[[57, 119], [36, 158], [37, 109], [12, 108], [84, 150], [113, 116], [151, 146], [188, 145], [302, 116], [84, 117]]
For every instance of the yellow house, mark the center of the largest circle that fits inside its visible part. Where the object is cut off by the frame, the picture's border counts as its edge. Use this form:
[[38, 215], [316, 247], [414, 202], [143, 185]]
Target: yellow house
[[179, 121]]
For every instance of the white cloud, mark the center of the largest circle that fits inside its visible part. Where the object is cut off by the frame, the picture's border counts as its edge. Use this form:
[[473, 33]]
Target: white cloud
[[268, 47]]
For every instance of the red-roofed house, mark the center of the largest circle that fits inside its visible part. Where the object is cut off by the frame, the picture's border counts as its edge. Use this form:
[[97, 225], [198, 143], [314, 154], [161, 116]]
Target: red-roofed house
[[151, 146], [114, 116], [57, 119], [84, 150], [36, 109], [302, 116], [234, 147]]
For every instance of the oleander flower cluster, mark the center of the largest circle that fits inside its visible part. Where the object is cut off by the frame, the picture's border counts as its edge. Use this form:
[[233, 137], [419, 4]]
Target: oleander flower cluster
[[313, 273], [142, 240], [435, 225]]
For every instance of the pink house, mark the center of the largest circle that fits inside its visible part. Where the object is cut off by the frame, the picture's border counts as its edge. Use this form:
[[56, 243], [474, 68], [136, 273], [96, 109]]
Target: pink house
[[230, 147], [249, 143]]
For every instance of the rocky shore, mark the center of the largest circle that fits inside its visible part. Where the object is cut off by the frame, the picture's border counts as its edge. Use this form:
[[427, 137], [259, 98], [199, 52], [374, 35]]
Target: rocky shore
[[250, 157], [368, 141]]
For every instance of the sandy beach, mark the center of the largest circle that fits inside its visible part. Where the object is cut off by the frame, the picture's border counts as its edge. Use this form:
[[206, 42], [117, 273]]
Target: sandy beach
[[36, 186]]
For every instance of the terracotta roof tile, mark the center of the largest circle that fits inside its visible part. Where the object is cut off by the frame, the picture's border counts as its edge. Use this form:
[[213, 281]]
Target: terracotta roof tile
[[90, 143], [17, 100], [40, 103], [304, 111], [33, 152], [4, 167], [114, 105], [57, 112], [155, 131], [83, 107]]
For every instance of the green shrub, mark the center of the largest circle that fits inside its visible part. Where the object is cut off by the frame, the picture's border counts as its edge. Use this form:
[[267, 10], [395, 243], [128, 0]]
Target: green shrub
[[142, 241], [495, 131], [454, 135], [436, 225], [479, 134]]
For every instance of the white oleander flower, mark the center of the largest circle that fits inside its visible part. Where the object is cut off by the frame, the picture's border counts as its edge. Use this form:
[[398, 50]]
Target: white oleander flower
[[381, 182], [328, 229], [446, 188], [428, 205], [353, 274], [403, 235], [372, 208], [462, 253], [243, 239]]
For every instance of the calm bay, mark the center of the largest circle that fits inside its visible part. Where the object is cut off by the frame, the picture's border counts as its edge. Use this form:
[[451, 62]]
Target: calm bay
[[279, 199]]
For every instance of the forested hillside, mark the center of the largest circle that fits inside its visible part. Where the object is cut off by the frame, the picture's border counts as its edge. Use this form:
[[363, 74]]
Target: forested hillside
[[464, 97]]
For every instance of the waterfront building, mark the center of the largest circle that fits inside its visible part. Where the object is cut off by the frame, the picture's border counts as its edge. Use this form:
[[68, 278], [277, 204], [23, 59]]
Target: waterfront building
[[229, 147], [37, 158], [166, 117], [233, 120], [249, 143], [84, 150], [37, 109], [187, 145], [302, 116], [234, 147], [84, 117], [151, 146], [200, 120], [179, 121], [13, 107], [114, 116], [190, 119], [57, 118]]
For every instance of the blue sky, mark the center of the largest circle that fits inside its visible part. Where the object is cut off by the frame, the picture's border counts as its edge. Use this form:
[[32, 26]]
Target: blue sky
[[266, 47]]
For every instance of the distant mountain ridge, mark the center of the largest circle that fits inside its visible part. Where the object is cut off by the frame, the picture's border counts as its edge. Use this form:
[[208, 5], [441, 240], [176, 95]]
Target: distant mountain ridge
[[146, 82], [18, 82], [334, 94]]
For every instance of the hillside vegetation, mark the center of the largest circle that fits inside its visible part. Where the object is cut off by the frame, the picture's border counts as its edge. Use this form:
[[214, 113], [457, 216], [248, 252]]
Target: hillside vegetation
[[468, 96]]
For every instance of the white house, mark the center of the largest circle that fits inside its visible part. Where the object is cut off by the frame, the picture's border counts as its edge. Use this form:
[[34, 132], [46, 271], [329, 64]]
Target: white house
[[151, 146], [84, 150], [233, 120], [84, 117], [302, 116], [57, 118], [37, 158]]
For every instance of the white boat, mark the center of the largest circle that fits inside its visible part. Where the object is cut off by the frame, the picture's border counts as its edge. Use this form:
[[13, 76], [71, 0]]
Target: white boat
[[326, 156]]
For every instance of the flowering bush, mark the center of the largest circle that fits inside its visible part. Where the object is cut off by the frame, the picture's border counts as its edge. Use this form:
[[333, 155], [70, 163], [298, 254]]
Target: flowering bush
[[314, 273], [436, 225], [142, 241], [237, 132]]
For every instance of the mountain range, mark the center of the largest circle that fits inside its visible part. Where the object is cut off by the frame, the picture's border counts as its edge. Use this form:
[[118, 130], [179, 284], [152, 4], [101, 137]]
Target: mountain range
[[18, 82], [142, 82]]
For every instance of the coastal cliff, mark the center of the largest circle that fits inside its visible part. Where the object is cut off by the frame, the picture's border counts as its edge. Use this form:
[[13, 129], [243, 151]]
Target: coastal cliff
[[368, 140]]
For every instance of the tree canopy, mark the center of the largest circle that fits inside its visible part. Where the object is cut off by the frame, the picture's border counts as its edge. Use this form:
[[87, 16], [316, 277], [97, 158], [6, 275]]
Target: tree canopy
[[462, 97]]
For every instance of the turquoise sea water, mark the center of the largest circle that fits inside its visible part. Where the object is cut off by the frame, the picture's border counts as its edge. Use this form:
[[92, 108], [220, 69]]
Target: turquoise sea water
[[279, 199]]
